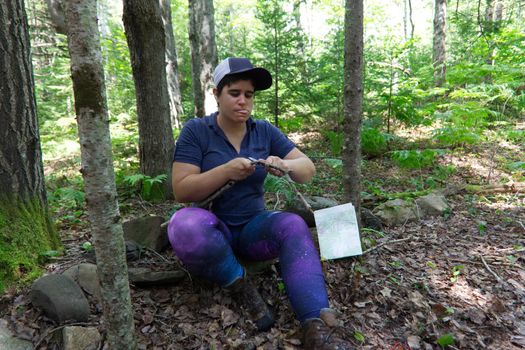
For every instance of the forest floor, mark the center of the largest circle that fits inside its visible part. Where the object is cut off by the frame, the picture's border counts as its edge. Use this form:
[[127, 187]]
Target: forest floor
[[457, 280]]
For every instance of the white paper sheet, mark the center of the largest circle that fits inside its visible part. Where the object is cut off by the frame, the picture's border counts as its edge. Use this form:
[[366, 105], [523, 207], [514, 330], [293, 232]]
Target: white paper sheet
[[338, 232]]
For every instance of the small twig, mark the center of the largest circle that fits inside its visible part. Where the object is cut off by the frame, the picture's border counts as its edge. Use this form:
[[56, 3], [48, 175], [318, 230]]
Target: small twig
[[489, 269], [499, 263], [521, 224], [385, 243], [277, 202], [47, 333], [157, 254]]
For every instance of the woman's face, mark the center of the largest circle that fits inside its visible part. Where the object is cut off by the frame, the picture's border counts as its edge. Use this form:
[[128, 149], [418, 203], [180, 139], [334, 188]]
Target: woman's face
[[236, 101]]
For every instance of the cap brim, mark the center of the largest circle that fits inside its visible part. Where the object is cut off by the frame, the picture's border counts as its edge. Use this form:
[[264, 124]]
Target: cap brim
[[262, 79]]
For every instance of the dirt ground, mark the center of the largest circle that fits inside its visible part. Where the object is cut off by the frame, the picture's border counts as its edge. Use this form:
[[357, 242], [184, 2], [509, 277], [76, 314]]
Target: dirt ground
[[456, 280]]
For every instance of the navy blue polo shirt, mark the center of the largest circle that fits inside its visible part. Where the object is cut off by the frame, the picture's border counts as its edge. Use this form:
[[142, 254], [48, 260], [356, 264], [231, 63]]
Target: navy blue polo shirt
[[203, 143]]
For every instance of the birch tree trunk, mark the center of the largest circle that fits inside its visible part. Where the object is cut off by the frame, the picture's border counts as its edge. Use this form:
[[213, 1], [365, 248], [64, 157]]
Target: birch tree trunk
[[353, 100], [174, 93], [493, 17], [439, 45], [203, 54], [147, 45], [21, 167], [97, 170]]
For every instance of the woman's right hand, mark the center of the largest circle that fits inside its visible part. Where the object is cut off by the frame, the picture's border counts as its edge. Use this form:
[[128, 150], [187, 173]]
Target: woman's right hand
[[239, 168]]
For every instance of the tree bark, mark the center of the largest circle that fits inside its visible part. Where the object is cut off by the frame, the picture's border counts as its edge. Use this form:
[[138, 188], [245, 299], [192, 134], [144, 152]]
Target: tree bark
[[175, 98], [97, 170], [55, 9], [353, 94], [439, 48], [147, 44], [204, 57], [21, 167]]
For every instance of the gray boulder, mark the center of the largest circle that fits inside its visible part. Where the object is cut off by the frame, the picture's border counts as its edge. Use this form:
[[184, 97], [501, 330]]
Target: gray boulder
[[85, 275], [9, 342], [147, 232], [80, 338], [316, 202], [396, 212], [60, 298], [432, 205], [144, 277]]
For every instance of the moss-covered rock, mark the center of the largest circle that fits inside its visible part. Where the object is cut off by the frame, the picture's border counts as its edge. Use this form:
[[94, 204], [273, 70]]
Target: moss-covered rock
[[26, 233]]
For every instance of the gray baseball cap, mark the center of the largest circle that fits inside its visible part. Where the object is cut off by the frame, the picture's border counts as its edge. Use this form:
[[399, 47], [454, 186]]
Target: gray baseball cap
[[262, 79]]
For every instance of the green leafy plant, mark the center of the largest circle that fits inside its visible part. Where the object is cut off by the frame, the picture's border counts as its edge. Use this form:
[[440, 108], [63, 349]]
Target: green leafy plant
[[69, 197], [150, 187], [373, 142], [416, 159], [446, 340], [280, 287], [456, 272], [279, 185], [334, 163], [336, 141], [360, 337], [482, 227], [87, 246]]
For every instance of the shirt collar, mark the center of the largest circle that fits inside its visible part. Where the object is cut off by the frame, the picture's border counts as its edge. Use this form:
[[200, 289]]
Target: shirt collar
[[211, 121]]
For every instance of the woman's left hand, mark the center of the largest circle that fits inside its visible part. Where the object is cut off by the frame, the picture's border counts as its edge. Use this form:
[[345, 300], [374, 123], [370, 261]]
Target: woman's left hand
[[277, 162]]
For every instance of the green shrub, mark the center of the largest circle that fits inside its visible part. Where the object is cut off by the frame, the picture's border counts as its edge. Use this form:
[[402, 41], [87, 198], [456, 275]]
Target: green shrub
[[150, 188], [336, 140], [516, 135], [457, 136], [373, 142], [416, 159]]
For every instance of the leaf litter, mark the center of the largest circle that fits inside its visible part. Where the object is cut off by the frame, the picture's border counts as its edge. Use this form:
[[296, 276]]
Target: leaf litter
[[450, 283]]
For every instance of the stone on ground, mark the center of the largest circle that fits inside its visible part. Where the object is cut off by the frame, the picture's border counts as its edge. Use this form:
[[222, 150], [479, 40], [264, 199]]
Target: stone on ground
[[9, 342], [80, 338], [432, 204], [60, 298], [316, 202], [85, 275], [396, 212], [147, 232], [142, 276]]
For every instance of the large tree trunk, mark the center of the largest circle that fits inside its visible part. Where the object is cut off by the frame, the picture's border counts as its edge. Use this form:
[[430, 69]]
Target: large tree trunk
[[353, 94], [21, 168], [175, 98], [97, 170], [203, 54], [55, 9], [146, 41], [439, 48]]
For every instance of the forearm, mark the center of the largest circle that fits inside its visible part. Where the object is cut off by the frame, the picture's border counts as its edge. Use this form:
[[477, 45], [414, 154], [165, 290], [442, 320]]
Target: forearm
[[301, 169], [197, 187]]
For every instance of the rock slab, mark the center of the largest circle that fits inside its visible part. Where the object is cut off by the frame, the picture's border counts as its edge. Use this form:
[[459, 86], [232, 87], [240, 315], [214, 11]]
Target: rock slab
[[142, 276], [9, 342], [316, 202], [85, 275], [147, 232], [396, 212], [80, 338], [60, 298]]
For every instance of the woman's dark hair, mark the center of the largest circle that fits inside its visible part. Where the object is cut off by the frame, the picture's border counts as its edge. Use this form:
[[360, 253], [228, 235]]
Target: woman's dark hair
[[232, 78]]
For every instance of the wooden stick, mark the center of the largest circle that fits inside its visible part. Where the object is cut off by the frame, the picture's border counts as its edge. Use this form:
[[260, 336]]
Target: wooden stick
[[385, 243], [489, 269]]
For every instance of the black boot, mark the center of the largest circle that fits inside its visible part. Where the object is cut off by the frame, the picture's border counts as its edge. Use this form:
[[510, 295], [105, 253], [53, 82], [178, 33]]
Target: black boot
[[318, 335], [249, 298]]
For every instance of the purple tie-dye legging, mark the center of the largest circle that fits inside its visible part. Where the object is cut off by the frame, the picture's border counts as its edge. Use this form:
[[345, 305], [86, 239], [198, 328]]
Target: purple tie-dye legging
[[207, 247]]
